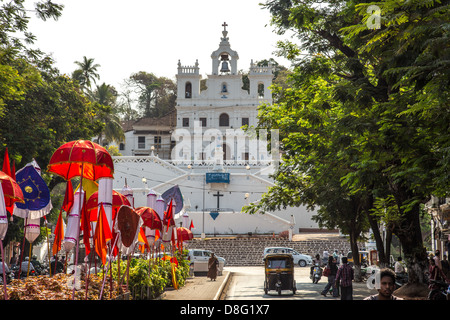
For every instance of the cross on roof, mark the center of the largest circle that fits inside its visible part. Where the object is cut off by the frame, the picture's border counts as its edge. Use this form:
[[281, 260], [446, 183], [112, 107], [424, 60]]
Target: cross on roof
[[224, 25]]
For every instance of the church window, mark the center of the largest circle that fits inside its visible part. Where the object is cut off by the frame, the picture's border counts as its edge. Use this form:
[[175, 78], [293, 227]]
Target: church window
[[157, 140], [122, 146], [188, 90], [224, 120], [203, 122], [141, 142], [185, 122], [260, 90], [245, 121]]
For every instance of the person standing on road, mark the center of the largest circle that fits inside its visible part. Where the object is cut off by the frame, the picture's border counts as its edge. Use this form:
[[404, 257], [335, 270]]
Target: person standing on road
[[213, 264], [344, 278], [387, 286], [331, 277]]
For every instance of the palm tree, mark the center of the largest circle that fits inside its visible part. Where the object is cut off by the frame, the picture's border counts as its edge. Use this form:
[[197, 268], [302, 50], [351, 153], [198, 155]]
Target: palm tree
[[106, 95], [87, 72]]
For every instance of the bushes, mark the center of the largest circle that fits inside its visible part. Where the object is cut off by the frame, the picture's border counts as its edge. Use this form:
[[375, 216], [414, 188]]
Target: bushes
[[150, 284]]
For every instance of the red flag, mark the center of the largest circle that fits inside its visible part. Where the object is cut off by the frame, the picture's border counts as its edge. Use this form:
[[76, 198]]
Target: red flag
[[68, 197], [102, 235], [168, 216], [59, 234], [157, 235], [6, 165], [13, 172], [86, 227], [192, 225]]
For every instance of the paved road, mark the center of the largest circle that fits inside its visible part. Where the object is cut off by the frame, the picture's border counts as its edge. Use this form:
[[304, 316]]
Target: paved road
[[247, 283]]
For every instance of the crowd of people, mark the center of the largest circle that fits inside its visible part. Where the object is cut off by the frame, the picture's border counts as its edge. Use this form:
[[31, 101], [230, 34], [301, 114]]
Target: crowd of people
[[341, 275]]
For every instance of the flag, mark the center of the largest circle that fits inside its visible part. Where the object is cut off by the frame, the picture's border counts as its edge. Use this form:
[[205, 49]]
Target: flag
[[192, 225], [102, 235], [86, 227], [143, 239], [157, 235], [59, 234], [168, 216], [13, 171], [68, 197], [6, 165]]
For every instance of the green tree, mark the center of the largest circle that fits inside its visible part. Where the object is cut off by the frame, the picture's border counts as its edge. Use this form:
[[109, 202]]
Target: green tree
[[384, 76], [87, 72], [155, 95]]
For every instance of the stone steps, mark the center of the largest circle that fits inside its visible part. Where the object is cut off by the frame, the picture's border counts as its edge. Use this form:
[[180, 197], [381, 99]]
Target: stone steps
[[249, 251]]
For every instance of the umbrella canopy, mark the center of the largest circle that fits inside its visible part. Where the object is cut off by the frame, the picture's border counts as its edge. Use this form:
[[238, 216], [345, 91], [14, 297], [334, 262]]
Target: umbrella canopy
[[128, 224], [184, 234], [36, 194], [174, 194], [149, 217], [118, 200], [68, 159], [11, 190]]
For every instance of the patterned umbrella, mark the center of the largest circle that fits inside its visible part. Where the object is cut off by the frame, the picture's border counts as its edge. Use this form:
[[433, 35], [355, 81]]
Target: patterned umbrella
[[150, 217], [118, 200], [68, 159]]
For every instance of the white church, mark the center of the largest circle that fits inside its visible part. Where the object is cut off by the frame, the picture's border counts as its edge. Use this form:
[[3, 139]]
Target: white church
[[201, 147]]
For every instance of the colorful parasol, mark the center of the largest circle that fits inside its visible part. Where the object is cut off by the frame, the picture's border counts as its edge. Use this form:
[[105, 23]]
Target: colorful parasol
[[149, 217], [128, 224], [184, 234], [66, 161], [11, 190], [35, 191], [174, 194], [118, 200]]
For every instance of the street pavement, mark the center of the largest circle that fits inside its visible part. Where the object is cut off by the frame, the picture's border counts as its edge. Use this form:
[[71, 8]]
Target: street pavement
[[199, 287]]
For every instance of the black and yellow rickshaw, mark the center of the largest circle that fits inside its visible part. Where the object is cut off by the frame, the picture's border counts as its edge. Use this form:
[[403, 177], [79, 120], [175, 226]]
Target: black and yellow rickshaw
[[279, 273]]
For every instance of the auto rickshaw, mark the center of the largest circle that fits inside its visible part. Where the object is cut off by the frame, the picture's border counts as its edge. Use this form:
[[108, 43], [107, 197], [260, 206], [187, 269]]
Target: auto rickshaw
[[279, 273]]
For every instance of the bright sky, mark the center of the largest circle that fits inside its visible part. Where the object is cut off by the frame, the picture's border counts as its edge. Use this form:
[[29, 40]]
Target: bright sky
[[126, 37]]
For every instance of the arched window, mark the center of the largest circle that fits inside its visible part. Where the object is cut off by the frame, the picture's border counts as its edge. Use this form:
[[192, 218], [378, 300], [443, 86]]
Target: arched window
[[188, 90], [260, 90], [224, 120]]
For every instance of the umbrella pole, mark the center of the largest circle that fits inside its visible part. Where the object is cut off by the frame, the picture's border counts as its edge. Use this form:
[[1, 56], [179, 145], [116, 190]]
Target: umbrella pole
[[48, 248], [29, 260], [23, 247], [78, 240], [4, 273]]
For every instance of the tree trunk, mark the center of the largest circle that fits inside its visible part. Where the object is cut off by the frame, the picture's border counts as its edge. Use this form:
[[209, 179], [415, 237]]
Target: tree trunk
[[410, 236], [355, 252]]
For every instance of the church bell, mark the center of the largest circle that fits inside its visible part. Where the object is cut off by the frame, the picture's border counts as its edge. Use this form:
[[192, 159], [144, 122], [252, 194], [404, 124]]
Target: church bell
[[224, 59]]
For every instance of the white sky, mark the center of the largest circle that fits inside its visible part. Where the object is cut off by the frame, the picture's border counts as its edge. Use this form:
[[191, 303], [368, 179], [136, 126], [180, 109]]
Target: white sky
[[126, 37]]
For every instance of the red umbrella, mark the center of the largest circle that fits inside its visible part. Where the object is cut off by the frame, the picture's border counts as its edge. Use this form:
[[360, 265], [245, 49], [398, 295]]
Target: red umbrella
[[11, 190], [66, 161], [150, 218], [118, 200], [184, 234]]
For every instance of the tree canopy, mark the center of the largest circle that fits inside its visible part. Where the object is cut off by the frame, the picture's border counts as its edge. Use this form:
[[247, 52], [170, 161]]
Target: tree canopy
[[366, 113]]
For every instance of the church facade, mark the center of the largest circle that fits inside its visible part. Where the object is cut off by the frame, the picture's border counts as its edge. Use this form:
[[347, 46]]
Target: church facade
[[218, 166]]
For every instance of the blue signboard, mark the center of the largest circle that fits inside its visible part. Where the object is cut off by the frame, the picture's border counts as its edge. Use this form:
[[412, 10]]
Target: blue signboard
[[217, 177]]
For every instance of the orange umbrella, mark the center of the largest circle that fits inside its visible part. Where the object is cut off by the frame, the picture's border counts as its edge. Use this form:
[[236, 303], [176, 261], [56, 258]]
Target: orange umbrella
[[184, 234], [118, 200], [150, 217], [68, 159], [11, 190]]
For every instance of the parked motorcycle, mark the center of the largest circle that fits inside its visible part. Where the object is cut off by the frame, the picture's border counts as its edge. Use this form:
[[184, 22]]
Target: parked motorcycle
[[439, 291], [316, 274]]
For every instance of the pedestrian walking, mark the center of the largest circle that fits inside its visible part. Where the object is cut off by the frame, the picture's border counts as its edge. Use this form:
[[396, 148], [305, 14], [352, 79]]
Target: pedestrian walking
[[331, 265], [344, 278], [213, 264]]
